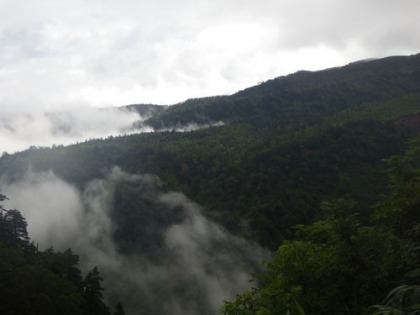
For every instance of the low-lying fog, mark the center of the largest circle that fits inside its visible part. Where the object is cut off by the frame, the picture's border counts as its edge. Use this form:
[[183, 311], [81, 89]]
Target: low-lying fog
[[22, 130], [183, 263]]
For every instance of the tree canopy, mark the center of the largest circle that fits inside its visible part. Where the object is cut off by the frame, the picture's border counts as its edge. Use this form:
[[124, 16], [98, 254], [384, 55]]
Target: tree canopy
[[340, 266]]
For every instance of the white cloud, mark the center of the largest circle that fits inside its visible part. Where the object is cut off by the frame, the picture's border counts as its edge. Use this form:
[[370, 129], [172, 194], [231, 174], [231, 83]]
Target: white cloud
[[117, 52], [21, 131], [56, 55], [200, 264], [51, 222]]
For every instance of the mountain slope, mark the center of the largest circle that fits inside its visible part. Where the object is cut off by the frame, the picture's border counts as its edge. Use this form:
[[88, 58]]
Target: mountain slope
[[287, 144], [276, 152], [304, 98]]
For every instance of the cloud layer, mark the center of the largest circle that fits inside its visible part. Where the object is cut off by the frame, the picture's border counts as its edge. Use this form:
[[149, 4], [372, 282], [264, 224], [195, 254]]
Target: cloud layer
[[41, 129], [61, 53], [60, 56], [182, 265], [23, 130]]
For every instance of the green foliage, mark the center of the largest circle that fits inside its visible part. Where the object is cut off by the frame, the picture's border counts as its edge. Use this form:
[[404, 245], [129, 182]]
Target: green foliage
[[403, 300], [400, 211], [339, 266], [134, 203], [63, 264], [252, 182]]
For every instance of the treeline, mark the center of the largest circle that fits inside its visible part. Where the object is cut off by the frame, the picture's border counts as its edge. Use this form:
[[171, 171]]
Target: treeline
[[288, 144], [304, 99], [253, 183], [46, 282], [338, 265]]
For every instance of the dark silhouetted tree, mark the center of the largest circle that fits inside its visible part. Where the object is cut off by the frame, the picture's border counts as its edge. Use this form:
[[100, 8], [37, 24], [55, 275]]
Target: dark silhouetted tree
[[16, 227], [13, 225], [93, 294]]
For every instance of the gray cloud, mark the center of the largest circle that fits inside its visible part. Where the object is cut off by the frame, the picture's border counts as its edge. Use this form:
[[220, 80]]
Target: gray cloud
[[120, 52], [183, 263], [48, 221], [42, 129], [57, 56], [342, 25], [20, 131]]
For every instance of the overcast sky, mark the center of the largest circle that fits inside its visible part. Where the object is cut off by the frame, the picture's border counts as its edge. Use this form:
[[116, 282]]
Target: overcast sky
[[61, 54], [106, 52]]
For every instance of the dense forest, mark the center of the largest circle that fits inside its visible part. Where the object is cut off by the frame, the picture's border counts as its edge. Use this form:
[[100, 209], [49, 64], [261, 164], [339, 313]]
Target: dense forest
[[299, 162], [338, 265]]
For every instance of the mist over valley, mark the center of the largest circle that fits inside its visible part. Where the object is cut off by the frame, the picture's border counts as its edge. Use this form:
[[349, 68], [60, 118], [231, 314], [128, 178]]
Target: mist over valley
[[209, 157], [179, 206], [162, 246]]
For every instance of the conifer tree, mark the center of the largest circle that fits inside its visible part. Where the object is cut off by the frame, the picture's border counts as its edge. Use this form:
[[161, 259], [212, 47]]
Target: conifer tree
[[93, 294]]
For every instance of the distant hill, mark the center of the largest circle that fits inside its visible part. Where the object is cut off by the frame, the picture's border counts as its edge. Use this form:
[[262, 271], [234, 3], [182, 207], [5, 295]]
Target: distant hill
[[283, 146], [303, 99]]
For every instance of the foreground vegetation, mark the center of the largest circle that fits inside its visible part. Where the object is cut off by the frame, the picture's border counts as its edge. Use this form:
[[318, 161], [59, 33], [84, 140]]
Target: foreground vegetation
[[340, 266]]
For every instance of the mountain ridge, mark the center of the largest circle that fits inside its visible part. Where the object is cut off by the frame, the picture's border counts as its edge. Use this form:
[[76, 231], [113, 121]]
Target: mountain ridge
[[280, 154], [228, 160], [276, 97]]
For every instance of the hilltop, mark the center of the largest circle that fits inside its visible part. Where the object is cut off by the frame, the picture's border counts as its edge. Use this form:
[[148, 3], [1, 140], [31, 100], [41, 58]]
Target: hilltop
[[257, 162]]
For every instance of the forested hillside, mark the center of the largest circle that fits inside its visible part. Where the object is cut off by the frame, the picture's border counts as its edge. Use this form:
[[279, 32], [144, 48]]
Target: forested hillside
[[339, 265], [287, 144], [303, 99], [43, 282], [275, 153]]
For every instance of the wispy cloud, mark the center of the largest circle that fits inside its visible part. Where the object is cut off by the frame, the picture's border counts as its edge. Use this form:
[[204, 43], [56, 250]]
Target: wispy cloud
[[42, 129], [21, 131], [186, 264]]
